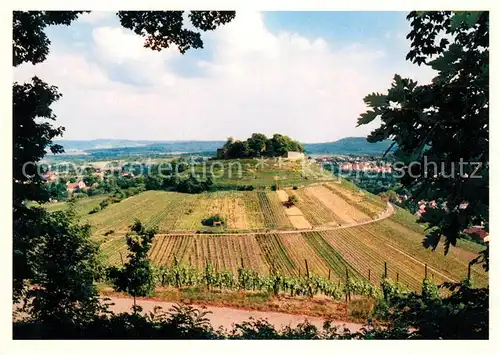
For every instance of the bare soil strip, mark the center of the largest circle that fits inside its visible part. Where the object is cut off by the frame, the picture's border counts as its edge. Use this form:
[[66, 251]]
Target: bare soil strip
[[299, 222], [226, 317], [387, 213]]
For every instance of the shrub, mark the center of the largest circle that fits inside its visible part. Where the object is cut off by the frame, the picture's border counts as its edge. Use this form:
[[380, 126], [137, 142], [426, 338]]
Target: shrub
[[246, 188], [292, 200], [211, 221], [193, 185], [115, 199], [95, 210]]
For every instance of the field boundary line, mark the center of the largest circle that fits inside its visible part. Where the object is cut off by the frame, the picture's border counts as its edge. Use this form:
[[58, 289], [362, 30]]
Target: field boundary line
[[383, 215], [422, 263]]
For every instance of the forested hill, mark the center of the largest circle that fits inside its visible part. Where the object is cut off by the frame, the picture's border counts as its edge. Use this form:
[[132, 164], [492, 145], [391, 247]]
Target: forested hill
[[348, 145], [116, 147], [138, 145]]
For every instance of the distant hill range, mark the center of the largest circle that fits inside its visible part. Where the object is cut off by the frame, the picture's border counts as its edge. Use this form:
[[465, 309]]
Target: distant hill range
[[116, 147], [349, 145], [102, 144]]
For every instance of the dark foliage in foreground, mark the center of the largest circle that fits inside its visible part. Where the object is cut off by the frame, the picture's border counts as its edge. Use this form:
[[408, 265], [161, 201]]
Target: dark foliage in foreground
[[442, 128], [180, 322], [55, 254], [462, 315], [33, 117]]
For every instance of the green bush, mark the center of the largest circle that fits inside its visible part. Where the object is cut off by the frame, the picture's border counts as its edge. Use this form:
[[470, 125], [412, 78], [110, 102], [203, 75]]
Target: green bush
[[95, 210], [212, 220], [103, 204], [246, 188]]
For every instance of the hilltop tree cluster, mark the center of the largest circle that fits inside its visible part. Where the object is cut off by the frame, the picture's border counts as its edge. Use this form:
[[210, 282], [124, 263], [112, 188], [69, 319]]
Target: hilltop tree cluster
[[56, 264], [258, 145]]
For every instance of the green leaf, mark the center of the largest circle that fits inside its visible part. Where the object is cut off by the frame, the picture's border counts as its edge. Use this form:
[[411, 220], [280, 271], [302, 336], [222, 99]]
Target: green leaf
[[468, 19], [376, 100], [441, 64], [472, 18], [367, 117]]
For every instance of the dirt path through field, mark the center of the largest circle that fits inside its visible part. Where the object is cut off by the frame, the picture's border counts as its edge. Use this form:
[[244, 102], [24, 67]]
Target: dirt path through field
[[225, 317], [385, 214]]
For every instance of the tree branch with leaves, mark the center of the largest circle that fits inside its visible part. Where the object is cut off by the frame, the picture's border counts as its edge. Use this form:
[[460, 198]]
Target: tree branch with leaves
[[33, 118], [136, 276], [443, 123]]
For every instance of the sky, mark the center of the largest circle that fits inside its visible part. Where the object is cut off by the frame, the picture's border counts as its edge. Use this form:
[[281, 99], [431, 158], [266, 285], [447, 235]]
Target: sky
[[303, 74]]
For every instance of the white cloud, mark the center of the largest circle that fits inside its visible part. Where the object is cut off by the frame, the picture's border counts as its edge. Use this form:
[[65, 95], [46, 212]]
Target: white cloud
[[119, 44], [67, 71], [121, 48], [96, 16], [255, 81]]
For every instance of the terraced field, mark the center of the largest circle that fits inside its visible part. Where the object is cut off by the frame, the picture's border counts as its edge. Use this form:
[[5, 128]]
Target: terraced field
[[273, 211], [346, 213], [276, 254], [259, 173], [299, 251], [332, 257], [368, 255], [396, 237], [323, 229], [362, 250], [171, 211], [83, 207], [245, 211], [313, 210], [255, 215], [360, 200]]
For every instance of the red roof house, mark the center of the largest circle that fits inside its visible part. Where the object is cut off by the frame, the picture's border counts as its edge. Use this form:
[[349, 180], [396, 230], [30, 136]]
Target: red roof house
[[478, 233], [74, 186]]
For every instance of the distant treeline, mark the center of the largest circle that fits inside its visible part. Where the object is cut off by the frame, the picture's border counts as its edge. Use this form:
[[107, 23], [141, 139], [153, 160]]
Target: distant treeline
[[129, 180], [258, 145], [370, 181], [358, 146], [123, 149], [158, 148]]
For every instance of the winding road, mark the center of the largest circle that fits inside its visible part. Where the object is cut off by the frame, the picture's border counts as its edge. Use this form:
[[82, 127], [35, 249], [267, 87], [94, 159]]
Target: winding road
[[384, 214], [225, 316]]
